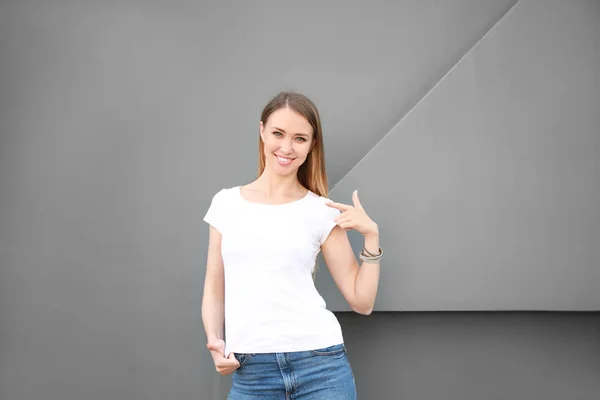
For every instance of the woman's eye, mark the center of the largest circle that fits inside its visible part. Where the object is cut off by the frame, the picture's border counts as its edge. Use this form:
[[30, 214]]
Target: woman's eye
[[277, 133], [301, 139]]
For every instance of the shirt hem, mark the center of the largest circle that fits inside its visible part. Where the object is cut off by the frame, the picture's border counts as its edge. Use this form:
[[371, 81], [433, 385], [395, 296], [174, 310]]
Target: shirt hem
[[284, 349]]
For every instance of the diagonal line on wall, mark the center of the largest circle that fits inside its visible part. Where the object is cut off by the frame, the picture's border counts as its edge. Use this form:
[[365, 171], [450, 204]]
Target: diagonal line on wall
[[426, 94]]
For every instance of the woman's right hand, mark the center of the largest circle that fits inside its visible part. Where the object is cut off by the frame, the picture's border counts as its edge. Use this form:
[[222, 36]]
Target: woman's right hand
[[224, 365]]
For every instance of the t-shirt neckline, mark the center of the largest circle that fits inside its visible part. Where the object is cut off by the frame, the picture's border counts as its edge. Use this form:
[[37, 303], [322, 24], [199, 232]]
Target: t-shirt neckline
[[239, 192]]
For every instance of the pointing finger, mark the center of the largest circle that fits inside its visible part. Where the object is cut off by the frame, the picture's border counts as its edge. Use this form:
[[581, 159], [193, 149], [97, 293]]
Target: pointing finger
[[355, 200], [339, 206]]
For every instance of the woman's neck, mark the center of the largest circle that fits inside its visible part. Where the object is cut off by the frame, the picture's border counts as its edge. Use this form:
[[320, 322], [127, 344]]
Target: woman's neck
[[274, 186]]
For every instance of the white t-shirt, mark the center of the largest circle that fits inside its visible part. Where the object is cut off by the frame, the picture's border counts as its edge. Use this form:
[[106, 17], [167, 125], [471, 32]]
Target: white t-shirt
[[269, 253]]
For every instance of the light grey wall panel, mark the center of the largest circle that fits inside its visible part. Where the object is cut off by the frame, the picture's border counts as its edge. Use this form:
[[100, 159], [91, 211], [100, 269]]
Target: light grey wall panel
[[185, 67], [119, 121], [488, 191]]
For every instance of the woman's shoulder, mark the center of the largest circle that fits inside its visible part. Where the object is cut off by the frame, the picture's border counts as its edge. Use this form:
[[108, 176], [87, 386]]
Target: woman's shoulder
[[320, 203], [318, 198], [225, 193]]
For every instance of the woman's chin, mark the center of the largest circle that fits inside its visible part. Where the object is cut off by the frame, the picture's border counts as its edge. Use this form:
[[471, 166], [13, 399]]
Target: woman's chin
[[284, 170]]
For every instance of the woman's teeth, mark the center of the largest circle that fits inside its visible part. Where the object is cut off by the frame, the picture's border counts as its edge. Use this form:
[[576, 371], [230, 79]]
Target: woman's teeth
[[283, 160]]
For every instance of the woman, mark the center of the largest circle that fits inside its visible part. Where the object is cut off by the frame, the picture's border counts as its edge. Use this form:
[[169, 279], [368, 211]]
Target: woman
[[281, 341]]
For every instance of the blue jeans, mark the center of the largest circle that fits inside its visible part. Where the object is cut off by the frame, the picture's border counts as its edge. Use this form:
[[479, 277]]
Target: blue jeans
[[323, 374]]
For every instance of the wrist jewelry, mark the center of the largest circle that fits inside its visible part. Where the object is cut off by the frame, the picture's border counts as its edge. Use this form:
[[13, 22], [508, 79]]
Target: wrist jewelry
[[370, 258]]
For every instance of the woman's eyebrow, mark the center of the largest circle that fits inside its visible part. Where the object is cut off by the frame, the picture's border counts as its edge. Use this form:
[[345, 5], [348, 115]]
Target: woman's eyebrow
[[281, 130]]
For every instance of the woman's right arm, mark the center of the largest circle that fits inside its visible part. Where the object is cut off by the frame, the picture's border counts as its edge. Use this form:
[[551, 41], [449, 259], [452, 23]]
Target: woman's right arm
[[213, 301], [213, 305]]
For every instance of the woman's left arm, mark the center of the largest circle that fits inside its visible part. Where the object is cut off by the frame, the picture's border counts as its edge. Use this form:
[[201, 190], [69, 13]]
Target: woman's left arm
[[357, 284]]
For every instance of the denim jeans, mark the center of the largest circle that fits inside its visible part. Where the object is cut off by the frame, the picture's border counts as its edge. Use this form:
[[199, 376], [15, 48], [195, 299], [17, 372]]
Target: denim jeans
[[323, 374]]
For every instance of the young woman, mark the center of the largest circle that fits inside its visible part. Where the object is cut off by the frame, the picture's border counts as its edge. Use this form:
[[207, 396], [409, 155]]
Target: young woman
[[281, 341]]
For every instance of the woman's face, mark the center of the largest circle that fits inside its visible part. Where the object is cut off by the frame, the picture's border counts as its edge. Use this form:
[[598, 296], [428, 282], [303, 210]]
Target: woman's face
[[287, 138]]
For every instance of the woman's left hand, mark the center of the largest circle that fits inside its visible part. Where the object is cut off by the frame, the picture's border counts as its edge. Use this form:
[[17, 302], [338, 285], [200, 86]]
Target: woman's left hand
[[354, 217]]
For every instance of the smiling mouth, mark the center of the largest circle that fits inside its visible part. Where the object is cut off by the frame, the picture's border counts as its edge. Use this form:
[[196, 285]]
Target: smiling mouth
[[283, 160]]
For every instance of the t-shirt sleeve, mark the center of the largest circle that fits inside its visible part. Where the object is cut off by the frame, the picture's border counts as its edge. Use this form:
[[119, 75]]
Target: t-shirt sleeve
[[328, 222], [215, 215]]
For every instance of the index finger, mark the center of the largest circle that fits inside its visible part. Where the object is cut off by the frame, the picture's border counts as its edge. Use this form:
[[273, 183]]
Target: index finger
[[339, 206]]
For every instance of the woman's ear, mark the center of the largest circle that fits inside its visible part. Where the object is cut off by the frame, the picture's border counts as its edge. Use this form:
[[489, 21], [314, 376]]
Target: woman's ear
[[261, 130]]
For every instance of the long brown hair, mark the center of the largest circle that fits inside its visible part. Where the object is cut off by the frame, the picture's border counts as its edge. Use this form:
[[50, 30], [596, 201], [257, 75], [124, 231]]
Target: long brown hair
[[311, 174]]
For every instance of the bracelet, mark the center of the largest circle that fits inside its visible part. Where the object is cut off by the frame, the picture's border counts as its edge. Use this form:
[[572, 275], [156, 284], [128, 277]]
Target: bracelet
[[368, 253], [370, 258]]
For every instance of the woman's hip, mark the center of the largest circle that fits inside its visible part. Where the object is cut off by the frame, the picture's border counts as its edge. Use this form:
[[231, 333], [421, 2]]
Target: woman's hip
[[304, 375]]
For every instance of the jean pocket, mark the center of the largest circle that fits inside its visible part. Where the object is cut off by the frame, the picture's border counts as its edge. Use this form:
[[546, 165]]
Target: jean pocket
[[243, 358], [336, 349]]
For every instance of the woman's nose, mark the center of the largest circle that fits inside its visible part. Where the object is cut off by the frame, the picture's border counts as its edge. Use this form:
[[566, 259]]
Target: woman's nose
[[286, 147]]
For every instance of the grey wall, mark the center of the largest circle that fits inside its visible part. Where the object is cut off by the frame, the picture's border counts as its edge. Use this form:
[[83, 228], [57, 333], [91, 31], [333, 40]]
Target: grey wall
[[489, 190], [471, 355], [115, 119]]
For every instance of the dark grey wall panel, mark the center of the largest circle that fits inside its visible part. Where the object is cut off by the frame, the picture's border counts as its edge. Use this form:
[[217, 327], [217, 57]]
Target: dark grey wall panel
[[488, 191], [474, 356], [470, 355]]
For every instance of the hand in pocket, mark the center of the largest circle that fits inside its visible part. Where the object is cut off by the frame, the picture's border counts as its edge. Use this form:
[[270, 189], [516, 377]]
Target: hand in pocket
[[224, 365]]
